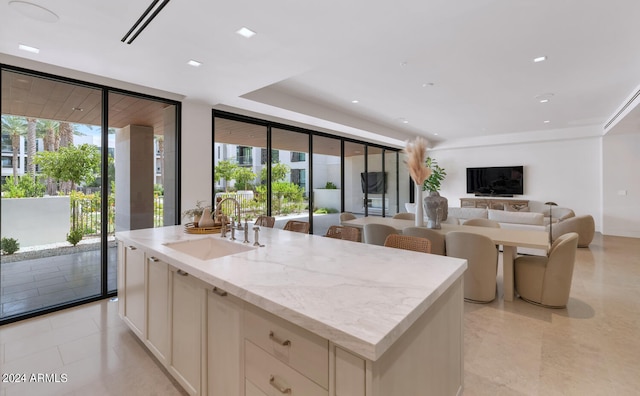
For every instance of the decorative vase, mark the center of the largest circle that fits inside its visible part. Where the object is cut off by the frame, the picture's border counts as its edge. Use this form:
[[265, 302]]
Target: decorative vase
[[206, 220], [419, 210], [437, 209]]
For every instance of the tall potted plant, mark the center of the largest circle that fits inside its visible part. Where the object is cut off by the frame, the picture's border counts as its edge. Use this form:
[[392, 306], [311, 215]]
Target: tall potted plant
[[437, 207]]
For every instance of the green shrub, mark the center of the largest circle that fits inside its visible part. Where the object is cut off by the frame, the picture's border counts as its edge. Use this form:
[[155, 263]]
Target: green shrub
[[26, 187], [74, 236], [330, 186], [9, 245]]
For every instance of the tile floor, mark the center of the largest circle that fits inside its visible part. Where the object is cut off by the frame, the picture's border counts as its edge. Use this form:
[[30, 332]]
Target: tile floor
[[590, 348]]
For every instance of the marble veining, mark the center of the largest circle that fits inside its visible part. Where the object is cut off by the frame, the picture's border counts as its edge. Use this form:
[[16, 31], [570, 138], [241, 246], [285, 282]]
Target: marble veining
[[361, 297]]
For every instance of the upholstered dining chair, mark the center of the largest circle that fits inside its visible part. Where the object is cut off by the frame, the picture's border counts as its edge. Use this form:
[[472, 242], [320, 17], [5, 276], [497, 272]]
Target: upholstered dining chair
[[375, 234], [546, 281], [297, 226], [344, 233], [436, 238], [405, 216], [345, 216], [265, 221], [482, 223], [584, 226], [408, 242], [482, 264]]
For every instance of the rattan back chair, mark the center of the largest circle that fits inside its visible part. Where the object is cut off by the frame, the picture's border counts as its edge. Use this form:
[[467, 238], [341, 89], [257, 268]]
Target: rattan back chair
[[265, 221], [344, 216], [297, 226], [344, 233], [408, 242]]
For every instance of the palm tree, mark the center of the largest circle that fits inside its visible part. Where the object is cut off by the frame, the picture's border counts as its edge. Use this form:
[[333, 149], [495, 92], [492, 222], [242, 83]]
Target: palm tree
[[31, 146], [14, 127], [48, 129], [66, 131]]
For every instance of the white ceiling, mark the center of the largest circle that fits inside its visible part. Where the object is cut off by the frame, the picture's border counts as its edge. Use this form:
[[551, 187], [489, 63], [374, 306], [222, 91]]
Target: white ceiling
[[461, 69]]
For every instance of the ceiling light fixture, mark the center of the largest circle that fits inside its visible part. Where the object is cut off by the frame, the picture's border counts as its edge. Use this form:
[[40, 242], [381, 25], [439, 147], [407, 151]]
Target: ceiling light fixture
[[546, 121], [540, 59], [246, 32], [355, 101], [544, 98], [194, 63], [77, 109], [34, 11], [29, 49]]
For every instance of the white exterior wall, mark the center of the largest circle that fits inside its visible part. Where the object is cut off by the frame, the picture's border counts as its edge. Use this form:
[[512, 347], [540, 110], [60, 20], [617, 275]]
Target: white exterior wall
[[36, 221]]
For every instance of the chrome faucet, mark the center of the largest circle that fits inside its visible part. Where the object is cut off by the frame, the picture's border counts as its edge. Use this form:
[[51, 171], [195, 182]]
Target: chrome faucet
[[219, 205]]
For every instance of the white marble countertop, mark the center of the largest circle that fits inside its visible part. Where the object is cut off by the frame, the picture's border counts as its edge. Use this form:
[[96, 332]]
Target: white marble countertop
[[361, 297]]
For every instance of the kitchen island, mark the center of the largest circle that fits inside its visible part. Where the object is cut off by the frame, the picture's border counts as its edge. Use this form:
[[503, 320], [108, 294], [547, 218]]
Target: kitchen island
[[301, 315]]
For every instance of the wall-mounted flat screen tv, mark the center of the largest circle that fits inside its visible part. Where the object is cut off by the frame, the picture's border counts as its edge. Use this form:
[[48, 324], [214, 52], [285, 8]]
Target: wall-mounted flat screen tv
[[373, 182], [497, 180]]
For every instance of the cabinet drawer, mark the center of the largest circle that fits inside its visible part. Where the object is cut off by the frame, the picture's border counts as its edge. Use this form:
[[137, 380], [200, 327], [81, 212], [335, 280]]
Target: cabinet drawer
[[273, 377], [306, 352]]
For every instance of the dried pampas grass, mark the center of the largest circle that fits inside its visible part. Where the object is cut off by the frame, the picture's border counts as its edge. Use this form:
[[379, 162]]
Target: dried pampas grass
[[416, 153]]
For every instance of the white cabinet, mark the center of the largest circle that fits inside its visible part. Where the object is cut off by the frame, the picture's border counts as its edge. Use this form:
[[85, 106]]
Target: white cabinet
[[282, 357], [350, 374], [158, 308], [225, 372], [252, 390], [133, 310], [188, 303]]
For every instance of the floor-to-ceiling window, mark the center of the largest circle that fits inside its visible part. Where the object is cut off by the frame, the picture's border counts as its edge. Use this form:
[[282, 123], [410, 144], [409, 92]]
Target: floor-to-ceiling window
[[327, 182], [305, 175], [355, 194], [290, 175], [241, 166], [59, 190]]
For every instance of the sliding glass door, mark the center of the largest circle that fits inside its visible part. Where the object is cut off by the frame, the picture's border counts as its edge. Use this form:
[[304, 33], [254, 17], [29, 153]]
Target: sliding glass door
[[293, 173], [79, 161]]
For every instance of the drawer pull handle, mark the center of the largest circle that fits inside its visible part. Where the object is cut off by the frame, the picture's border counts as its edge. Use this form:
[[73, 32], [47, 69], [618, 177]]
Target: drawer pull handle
[[280, 388], [181, 272], [273, 338], [220, 292], [132, 247], [154, 259]]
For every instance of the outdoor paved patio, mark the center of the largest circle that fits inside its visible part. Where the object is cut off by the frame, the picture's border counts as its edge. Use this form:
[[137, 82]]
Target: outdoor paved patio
[[42, 282]]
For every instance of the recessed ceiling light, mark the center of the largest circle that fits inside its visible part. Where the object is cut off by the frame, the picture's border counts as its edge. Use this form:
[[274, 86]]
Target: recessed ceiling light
[[546, 121], [29, 49], [194, 63], [77, 109], [246, 32], [34, 11], [544, 100], [355, 101], [435, 133], [540, 59]]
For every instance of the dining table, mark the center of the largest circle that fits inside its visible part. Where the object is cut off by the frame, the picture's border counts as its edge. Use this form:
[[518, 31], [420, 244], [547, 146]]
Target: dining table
[[509, 239]]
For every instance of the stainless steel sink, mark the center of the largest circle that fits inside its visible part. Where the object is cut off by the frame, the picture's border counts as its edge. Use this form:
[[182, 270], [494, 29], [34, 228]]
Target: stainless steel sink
[[208, 248]]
